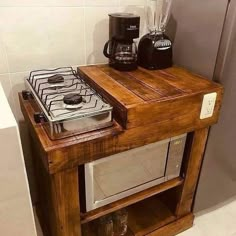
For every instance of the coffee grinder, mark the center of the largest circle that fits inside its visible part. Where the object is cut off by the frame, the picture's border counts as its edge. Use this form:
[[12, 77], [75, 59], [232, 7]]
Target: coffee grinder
[[155, 48], [121, 49]]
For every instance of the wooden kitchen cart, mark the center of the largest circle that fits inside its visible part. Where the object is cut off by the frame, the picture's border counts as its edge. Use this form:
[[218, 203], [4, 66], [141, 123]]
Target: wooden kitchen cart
[[149, 106]]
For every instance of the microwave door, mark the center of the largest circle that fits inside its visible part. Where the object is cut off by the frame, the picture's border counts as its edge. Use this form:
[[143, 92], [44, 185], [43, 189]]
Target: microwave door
[[112, 178]]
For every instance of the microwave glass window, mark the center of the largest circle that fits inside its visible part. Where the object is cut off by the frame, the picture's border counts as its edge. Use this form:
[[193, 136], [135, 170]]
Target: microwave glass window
[[128, 170]]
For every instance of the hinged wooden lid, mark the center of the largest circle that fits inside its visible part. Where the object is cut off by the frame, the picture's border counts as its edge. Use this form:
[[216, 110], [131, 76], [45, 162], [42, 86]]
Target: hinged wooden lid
[[143, 96]]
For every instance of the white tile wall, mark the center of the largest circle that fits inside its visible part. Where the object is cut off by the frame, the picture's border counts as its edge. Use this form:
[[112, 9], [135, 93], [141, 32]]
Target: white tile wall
[[96, 32], [24, 35], [45, 3], [66, 40], [6, 84], [106, 3], [38, 34], [3, 59], [133, 2], [17, 85]]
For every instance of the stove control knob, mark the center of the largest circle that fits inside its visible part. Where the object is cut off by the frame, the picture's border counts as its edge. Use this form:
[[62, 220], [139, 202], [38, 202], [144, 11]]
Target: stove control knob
[[39, 117], [27, 95]]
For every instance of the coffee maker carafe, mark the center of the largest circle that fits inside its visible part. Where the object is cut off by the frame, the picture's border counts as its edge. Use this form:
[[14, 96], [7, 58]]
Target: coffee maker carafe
[[155, 48], [121, 49]]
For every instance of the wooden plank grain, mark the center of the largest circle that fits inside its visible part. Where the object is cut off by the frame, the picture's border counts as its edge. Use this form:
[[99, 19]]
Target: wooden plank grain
[[182, 73], [192, 170], [186, 106], [95, 149], [94, 214], [141, 90], [148, 215], [65, 203], [106, 84], [155, 82], [175, 227], [182, 79], [142, 123], [158, 90], [69, 152], [151, 106], [57, 215]]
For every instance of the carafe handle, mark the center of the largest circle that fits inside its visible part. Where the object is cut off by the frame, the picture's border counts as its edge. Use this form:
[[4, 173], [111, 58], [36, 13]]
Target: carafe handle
[[106, 54]]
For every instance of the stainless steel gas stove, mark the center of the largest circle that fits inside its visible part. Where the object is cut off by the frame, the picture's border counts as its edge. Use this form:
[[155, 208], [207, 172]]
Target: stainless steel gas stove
[[69, 105]]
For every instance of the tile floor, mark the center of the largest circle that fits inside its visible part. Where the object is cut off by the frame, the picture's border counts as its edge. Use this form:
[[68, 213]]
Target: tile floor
[[219, 221], [214, 222]]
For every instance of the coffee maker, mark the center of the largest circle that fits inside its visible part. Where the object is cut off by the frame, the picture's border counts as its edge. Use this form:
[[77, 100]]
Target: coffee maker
[[155, 48], [121, 49]]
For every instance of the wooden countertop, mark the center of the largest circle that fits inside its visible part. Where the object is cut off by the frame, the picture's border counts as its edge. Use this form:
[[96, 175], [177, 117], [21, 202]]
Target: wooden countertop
[[148, 106], [143, 96]]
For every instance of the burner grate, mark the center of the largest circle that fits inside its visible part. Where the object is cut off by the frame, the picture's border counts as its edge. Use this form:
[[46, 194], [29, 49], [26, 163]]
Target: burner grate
[[51, 94], [68, 104]]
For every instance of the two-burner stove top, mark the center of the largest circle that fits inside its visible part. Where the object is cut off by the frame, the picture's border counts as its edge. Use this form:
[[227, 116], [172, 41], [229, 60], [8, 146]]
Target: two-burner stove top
[[69, 105]]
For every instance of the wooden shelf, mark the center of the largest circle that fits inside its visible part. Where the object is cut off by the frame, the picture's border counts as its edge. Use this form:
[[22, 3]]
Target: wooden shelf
[[91, 230], [143, 218], [148, 215], [94, 214]]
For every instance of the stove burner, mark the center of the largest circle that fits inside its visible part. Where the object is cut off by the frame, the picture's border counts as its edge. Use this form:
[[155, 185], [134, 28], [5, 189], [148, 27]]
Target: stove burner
[[72, 99], [55, 79], [68, 103]]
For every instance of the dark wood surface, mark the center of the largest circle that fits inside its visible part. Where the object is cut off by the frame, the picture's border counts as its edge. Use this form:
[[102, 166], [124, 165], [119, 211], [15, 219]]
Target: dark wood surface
[[91, 229], [175, 227], [144, 217], [171, 229], [65, 202], [148, 106], [144, 97], [149, 117], [56, 214], [192, 166], [58, 199], [148, 215]]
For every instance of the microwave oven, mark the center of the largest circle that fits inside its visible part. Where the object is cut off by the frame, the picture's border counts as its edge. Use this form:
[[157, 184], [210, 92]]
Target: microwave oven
[[115, 177]]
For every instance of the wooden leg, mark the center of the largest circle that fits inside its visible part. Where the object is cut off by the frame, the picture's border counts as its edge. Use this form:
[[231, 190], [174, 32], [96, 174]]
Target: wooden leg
[[58, 206], [192, 171], [65, 201]]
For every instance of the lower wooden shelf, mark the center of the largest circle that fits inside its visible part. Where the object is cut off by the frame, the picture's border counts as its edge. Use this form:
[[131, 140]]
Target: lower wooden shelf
[[125, 202], [143, 218], [148, 215]]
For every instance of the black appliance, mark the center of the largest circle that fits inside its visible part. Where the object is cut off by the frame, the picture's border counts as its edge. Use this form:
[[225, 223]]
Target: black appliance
[[155, 48], [121, 49]]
